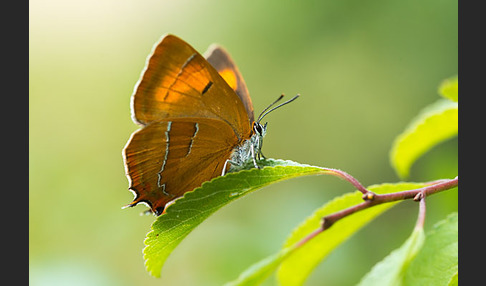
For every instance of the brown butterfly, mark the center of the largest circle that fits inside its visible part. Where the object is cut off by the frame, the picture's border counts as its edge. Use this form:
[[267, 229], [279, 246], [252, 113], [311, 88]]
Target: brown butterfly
[[197, 123]]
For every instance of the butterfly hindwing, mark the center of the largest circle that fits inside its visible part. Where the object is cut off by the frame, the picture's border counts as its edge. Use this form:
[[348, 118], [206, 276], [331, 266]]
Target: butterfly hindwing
[[168, 158], [220, 59]]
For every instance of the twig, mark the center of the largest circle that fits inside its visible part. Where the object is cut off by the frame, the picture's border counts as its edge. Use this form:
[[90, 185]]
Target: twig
[[348, 178], [372, 199], [308, 237], [421, 216]]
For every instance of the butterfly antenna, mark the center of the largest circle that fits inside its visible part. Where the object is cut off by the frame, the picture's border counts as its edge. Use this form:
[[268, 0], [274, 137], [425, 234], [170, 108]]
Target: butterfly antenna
[[272, 104], [265, 112]]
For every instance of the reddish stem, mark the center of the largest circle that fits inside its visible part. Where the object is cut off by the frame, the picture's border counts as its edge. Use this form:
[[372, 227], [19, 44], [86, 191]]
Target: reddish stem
[[372, 199], [348, 178], [421, 216]]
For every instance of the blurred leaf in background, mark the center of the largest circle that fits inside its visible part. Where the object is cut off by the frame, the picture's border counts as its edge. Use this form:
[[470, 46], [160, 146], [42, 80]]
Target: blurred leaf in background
[[363, 68], [434, 124]]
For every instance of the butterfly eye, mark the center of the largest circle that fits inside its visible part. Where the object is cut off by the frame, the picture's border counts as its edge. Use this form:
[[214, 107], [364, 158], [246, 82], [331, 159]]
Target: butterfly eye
[[257, 127]]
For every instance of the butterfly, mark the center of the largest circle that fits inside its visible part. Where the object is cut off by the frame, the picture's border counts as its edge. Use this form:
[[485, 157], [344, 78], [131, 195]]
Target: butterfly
[[196, 119]]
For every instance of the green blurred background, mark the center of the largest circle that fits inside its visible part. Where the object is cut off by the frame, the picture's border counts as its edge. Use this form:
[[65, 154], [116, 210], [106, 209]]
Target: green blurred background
[[364, 70]]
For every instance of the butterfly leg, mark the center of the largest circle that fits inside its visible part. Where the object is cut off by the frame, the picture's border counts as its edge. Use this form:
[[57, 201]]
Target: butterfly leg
[[235, 165], [260, 156], [260, 153], [226, 164], [224, 167], [253, 156]]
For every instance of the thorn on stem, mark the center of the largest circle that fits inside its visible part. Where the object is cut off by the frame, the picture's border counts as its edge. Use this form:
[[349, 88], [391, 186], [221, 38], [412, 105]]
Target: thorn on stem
[[418, 196], [368, 196], [326, 223]]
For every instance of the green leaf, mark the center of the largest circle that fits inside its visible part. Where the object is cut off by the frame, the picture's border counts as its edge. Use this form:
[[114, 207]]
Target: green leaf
[[259, 271], [391, 270], [449, 88], [295, 269], [416, 263], [437, 262], [298, 263], [194, 207], [436, 123], [454, 280]]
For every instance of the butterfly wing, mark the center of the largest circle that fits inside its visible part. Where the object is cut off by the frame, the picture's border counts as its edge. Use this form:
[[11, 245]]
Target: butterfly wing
[[179, 82], [192, 120], [222, 62], [165, 159]]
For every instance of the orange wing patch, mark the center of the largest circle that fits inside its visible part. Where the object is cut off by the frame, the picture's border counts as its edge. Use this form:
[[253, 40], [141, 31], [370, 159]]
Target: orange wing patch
[[229, 76]]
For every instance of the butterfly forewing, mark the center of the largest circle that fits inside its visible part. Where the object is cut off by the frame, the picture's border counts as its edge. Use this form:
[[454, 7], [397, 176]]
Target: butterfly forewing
[[179, 82]]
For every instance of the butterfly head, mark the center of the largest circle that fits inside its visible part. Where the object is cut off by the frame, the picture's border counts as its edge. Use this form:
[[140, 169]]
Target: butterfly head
[[250, 150], [259, 129]]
